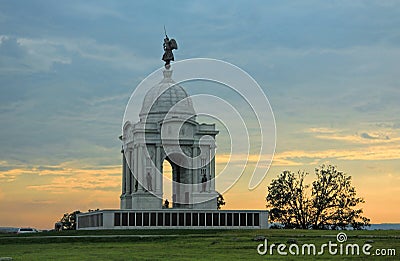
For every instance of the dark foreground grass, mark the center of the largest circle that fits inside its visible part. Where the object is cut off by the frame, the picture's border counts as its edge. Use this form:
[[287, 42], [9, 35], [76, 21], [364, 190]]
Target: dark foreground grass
[[185, 245]]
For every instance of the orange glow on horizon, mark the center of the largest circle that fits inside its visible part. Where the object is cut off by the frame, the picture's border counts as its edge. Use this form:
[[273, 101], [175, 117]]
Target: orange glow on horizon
[[39, 197]]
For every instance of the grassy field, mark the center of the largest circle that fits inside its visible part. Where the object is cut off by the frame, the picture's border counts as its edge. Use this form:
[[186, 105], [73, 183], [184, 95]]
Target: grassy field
[[186, 244]]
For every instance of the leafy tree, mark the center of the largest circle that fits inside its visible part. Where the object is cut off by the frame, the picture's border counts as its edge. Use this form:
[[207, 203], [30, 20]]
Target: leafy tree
[[220, 201], [335, 200], [68, 221], [330, 203], [288, 200]]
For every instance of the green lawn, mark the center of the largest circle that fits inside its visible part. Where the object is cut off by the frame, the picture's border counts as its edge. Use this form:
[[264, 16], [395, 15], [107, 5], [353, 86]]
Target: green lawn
[[185, 245]]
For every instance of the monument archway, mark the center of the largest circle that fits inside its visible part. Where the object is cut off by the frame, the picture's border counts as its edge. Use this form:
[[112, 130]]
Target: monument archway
[[180, 181]]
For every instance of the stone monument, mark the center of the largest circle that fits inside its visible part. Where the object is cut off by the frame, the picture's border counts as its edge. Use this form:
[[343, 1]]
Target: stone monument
[[167, 130]]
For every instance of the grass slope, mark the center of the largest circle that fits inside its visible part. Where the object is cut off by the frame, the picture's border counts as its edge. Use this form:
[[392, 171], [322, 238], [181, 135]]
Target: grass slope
[[183, 244]]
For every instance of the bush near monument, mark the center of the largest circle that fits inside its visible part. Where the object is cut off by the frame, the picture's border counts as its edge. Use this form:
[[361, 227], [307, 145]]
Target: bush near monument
[[330, 202], [220, 201], [68, 221]]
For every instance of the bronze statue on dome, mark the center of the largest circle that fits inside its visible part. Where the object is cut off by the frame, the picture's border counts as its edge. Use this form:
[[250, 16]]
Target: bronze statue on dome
[[168, 45]]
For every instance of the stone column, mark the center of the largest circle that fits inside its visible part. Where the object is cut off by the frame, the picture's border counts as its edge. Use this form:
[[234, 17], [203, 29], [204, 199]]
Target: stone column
[[141, 167], [158, 173], [196, 170], [135, 167], [190, 187], [127, 173], [212, 171], [131, 166], [209, 171], [123, 173], [190, 172]]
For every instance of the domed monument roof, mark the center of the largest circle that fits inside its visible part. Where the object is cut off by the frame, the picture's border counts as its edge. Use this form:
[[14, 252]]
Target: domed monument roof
[[166, 97]]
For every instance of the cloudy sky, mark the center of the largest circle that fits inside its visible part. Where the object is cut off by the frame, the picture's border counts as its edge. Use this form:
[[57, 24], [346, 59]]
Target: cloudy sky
[[330, 70]]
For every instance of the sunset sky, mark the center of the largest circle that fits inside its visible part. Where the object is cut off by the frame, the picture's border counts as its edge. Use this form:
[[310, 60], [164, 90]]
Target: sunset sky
[[330, 70]]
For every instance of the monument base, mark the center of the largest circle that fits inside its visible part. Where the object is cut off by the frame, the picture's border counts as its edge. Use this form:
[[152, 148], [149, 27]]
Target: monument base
[[145, 200], [208, 200], [172, 218], [126, 201]]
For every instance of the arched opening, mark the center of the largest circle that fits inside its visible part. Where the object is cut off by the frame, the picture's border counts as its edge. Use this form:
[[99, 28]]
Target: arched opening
[[174, 178], [167, 182]]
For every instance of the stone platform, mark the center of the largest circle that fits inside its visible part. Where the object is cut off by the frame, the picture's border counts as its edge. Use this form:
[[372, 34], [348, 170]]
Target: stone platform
[[173, 219]]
